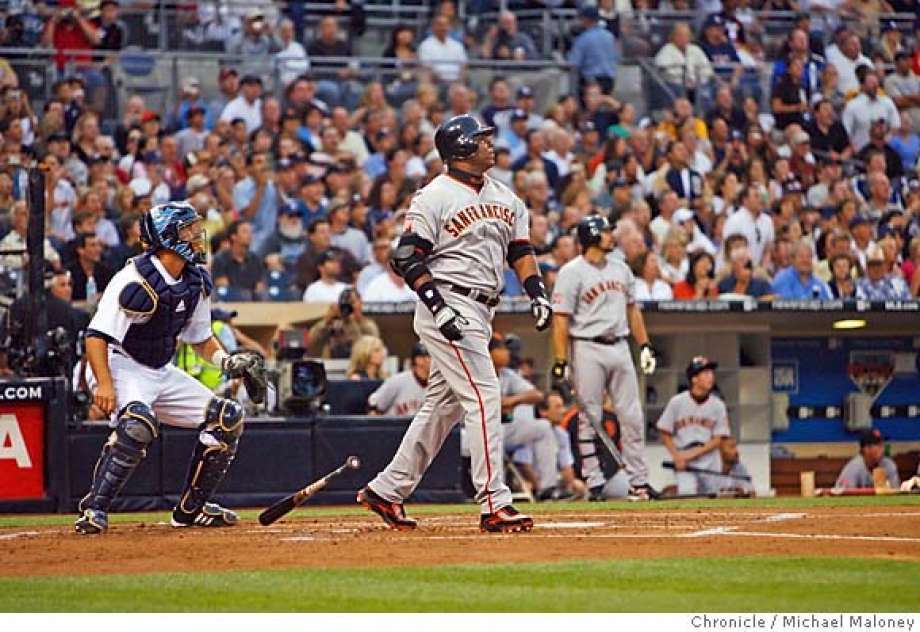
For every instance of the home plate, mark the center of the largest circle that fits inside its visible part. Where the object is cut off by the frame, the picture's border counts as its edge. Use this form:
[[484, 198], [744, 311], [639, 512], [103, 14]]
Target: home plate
[[569, 525]]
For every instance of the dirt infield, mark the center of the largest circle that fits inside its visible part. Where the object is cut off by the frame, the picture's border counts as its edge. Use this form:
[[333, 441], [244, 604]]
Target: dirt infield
[[363, 542]]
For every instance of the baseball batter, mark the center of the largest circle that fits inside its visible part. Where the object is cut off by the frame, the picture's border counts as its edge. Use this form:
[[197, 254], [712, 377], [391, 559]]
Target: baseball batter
[[157, 299], [594, 311], [692, 427], [460, 231]]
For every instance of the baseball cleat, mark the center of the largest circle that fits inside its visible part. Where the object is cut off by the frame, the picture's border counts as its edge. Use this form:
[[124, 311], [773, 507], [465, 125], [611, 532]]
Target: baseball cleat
[[91, 522], [211, 515], [643, 492], [394, 514], [505, 520]]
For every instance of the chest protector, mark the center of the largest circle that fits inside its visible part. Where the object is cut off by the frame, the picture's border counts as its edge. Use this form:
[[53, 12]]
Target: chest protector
[[153, 343]]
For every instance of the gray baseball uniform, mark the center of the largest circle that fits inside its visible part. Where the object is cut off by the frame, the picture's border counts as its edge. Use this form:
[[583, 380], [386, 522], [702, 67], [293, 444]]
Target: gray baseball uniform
[[856, 474], [596, 298], [693, 423], [471, 232], [400, 395], [526, 429]]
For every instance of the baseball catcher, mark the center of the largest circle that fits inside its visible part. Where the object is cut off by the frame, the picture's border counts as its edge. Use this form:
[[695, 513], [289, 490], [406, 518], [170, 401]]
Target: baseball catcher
[[156, 300]]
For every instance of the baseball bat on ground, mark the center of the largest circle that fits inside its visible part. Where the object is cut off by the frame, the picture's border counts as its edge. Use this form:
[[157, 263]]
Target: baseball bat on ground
[[669, 465], [288, 503]]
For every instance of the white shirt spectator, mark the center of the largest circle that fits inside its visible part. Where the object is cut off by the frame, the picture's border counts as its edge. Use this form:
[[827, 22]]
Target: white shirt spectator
[[292, 61], [370, 272], [321, 292], [690, 67], [14, 241], [447, 58], [846, 68], [249, 112], [64, 197], [759, 232], [658, 291], [861, 110], [382, 289]]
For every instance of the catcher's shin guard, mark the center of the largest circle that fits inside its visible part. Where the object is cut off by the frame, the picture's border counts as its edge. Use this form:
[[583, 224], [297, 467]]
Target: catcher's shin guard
[[212, 457], [127, 445]]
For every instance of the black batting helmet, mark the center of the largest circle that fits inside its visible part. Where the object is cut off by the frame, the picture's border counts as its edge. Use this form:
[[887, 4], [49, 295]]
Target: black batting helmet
[[699, 364], [418, 349], [590, 229], [456, 138]]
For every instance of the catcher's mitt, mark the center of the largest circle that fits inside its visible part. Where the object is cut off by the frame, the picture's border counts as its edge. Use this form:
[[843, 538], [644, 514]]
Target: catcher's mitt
[[250, 366]]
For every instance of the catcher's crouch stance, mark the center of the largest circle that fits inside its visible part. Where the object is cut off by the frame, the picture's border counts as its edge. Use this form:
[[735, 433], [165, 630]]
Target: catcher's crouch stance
[[158, 298]]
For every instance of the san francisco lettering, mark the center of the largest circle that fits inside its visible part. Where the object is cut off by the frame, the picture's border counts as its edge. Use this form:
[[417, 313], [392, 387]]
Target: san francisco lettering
[[597, 289], [687, 422], [464, 218]]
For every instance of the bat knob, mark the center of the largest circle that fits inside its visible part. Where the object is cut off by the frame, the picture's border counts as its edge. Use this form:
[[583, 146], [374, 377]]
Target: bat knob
[[353, 462]]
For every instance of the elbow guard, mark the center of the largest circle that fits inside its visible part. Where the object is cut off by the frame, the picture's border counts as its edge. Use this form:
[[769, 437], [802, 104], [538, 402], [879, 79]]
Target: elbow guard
[[518, 249], [409, 258]]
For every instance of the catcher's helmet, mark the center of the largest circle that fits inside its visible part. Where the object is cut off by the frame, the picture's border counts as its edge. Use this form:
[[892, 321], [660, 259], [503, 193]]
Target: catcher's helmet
[[162, 227], [699, 364], [590, 229], [456, 138]]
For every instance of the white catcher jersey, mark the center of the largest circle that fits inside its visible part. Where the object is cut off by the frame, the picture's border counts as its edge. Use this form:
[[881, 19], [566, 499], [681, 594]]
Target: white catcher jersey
[[595, 298], [399, 396], [689, 421], [470, 231]]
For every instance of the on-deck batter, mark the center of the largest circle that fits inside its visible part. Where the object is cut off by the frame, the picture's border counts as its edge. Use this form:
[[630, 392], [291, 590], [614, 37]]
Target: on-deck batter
[[460, 231], [595, 309]]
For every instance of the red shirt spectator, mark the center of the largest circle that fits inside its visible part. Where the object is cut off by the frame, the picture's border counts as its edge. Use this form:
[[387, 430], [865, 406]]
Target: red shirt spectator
[[68, 30]]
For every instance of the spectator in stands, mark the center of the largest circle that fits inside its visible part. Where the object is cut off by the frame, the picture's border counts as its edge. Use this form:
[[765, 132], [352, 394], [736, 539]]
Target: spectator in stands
[[237, 268], [879, 202], [326, 288], [595, 53], [291, 57], [699, 283], [879, 284], [68, 30], [256, 199], [513, 138], [388, 287], [130, 245], [687, 183], [857, 473], [445, 57], [683, 64], [246, 106], [842, 285], [790, 96], [828, 136], [866, 108], [330, 43], [536, 146], [401, 395], [16, 240], [90, 276], [905, 141], [754, 224], [911, 266], [285, 247], [742, 280], [726, 109], [505, 41], [878, 143], [649, 285], [903, 86], [836, 243], [368, 354], [499, 100], [228, 82], [720, 50], [254, 41], [847, 58], [346, 237], [798, 281], [332, 335], [674, 264]]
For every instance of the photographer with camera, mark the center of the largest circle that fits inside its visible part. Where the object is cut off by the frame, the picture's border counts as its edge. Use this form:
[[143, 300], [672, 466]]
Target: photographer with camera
[[333, 335], [69, 30]]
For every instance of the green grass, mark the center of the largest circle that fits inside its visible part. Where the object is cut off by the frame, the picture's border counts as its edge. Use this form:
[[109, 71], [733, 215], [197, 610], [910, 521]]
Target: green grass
[[738, 584], [23, 521]]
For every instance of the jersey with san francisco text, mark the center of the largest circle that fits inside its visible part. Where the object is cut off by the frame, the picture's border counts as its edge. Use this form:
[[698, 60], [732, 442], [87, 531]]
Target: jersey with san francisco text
[[691, 422], [470, 230], [595, 297]]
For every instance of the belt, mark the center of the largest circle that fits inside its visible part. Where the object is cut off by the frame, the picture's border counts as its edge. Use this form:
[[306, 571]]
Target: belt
[[477, 295], [602, 340]]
